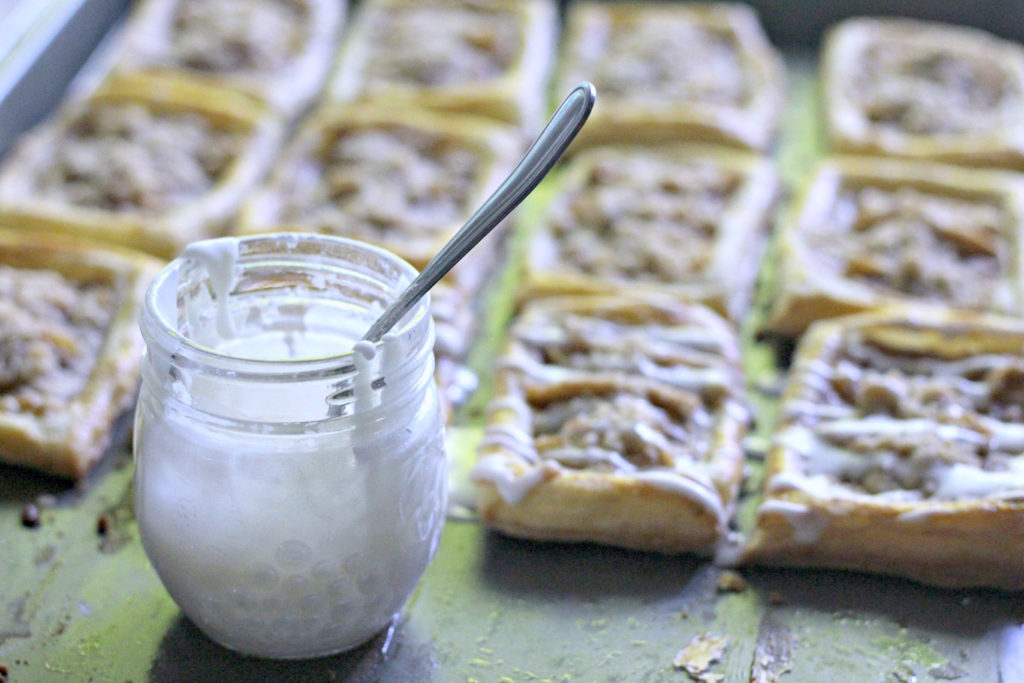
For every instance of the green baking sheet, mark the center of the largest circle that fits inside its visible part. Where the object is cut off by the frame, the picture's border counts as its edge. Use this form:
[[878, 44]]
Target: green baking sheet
[[78, 605]]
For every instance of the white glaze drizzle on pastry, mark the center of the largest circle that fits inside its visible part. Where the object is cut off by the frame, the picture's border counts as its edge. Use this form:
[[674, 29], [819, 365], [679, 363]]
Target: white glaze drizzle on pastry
[[550, 349], [808, 524], [959, 482], [513, 483]]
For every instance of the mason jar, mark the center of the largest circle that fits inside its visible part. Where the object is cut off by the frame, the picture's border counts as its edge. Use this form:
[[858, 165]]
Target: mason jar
[[289, 488]]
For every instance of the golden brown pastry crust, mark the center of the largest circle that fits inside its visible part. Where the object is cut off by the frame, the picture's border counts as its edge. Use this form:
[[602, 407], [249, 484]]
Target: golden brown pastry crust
[[687, 221], [287, 85], [67, 441], [869, 233], [922, 90], [948, 522], [669, 72], [538, 491], [514, 92], [163, 233]]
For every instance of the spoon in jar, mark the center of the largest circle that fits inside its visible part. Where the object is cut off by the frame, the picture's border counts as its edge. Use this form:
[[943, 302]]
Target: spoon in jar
[[552, 142]]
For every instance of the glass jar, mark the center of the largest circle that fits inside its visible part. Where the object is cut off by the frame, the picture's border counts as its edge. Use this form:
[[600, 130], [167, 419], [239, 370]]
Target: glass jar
[[289, 490]]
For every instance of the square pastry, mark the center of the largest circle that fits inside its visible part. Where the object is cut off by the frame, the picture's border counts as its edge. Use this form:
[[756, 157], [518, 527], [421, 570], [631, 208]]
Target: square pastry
[[279, 51], [145, 164], [684, 220], [872, 232], [70, 362], [900, 450], [673, 71], [403, 179], [615, 420], [924, 90], [486, 57]]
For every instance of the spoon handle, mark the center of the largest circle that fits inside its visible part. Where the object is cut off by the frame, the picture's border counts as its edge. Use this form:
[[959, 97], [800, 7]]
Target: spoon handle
[[560, 130]]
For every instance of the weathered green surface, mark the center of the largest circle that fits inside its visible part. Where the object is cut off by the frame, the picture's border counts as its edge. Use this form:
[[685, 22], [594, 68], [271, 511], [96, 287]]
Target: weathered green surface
[[78, 606]]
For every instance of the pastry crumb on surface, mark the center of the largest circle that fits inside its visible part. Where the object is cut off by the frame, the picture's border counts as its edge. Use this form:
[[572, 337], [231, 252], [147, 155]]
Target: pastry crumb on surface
[[237, 35], [127, 157], [698, 656], [438, 46], [730, 581]]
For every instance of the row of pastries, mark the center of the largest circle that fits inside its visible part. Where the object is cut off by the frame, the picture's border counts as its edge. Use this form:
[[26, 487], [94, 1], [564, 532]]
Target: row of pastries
[[619, 409], [389, 123], [617, 417], [897, 447], [240, 117]]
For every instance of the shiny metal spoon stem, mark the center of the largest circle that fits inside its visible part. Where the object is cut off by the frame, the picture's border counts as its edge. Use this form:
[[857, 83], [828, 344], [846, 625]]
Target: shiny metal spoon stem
[[563, 126]]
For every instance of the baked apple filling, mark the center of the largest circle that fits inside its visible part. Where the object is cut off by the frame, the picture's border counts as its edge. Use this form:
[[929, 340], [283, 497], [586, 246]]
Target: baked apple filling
[[383, 183], [910, 426], [916, 244], [932, 89], [129, 158], [238, 35], [440, 46], [51, 333], [619, 431]]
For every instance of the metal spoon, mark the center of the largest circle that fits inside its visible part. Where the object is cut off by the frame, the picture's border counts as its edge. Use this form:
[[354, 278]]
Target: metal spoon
[[560, 130]]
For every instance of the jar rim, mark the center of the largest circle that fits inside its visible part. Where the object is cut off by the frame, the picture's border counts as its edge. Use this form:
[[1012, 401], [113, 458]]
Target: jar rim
[[161, 299]]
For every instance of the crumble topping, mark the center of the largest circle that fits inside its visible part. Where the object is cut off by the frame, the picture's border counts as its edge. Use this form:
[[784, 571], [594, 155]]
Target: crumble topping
[[439, 46], [238, 35], [654, 58], [616, 431], [916, 244], [384, 184], [932, 89], [124, 157], [886, 421], [641, 218], [877, 380], [689, 357], [51, 332]]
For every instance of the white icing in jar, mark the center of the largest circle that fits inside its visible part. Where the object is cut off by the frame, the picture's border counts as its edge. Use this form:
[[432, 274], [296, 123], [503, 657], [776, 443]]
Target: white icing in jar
[[290, 488]]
